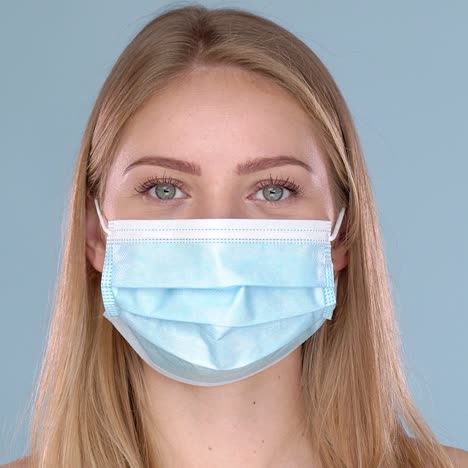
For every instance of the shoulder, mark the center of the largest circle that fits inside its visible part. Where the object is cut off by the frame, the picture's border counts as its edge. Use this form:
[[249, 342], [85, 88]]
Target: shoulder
[[458, 456], [21, 463]]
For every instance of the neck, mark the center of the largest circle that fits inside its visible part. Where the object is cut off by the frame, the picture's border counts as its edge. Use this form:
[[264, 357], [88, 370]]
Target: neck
[[256, 422]]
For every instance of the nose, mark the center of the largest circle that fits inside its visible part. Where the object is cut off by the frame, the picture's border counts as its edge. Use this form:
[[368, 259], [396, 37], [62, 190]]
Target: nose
[[218, 209], [219, 200]]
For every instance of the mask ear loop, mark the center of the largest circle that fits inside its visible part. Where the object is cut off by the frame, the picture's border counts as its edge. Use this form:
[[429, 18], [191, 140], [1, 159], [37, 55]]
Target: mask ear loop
[[337, 224], [101, 219], [333, 237]]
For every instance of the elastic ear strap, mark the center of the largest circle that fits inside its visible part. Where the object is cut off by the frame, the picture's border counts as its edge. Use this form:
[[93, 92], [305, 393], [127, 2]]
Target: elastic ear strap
[[337, 224], [336, 285], [101, 219]]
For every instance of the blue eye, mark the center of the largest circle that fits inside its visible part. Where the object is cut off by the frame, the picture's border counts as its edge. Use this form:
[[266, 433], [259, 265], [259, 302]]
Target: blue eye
[[272, 190], [166, 188]]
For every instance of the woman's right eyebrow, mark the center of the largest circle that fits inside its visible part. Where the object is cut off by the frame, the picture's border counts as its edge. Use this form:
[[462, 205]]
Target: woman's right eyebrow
[[246, 167]]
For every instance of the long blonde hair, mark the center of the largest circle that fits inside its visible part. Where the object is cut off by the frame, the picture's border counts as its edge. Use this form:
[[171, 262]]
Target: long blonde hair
[[90, 404]]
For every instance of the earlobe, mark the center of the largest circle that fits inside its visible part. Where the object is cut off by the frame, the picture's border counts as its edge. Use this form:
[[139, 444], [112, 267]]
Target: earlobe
[[95, 244]]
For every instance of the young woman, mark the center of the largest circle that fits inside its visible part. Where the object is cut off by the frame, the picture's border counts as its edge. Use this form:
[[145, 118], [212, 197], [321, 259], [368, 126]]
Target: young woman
[[223, 299]]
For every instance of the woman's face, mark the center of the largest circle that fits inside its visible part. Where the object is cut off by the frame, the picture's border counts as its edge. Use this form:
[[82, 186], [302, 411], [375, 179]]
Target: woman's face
[[222, 143]]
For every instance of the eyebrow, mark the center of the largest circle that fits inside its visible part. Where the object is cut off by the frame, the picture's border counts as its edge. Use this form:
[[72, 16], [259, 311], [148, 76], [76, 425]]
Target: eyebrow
[[247, 167]]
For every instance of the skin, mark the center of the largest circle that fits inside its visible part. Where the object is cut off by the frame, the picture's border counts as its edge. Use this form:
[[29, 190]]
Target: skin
[[217, 118]]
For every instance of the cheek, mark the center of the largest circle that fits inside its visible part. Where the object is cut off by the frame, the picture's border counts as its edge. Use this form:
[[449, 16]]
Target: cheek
[[317, 200], [120, 197]]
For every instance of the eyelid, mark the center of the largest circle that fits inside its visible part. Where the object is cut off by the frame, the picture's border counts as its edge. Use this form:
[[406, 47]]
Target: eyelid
[[291, 186], [150, 182]]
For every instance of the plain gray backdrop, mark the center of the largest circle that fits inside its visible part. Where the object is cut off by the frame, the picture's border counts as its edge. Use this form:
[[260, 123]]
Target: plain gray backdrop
[[402, 67]]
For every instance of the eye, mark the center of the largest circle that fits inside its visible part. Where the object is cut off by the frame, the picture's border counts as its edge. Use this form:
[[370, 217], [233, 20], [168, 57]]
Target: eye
[[272, 190], [162, 188]]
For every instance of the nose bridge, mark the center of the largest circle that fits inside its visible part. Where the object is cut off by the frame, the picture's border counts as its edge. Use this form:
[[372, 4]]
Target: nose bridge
[[220, 199], [220, 208]]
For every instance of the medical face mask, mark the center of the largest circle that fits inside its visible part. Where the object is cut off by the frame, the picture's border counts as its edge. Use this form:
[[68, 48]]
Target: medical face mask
[[212, 301]]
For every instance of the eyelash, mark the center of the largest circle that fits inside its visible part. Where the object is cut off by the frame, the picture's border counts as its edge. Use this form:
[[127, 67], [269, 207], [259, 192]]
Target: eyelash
[[294, 188]]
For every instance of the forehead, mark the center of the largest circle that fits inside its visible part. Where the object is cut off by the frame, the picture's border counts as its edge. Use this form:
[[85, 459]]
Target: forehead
[[219, 114]]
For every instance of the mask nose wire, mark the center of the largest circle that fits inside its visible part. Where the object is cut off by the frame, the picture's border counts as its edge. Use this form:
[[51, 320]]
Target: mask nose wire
[[101, 218]]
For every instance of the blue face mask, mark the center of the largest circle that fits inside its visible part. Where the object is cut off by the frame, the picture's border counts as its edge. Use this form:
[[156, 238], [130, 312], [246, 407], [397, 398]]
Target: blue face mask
[[213, 301]]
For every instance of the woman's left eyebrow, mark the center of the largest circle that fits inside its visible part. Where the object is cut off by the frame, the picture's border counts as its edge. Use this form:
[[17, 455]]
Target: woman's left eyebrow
[[246, 167]]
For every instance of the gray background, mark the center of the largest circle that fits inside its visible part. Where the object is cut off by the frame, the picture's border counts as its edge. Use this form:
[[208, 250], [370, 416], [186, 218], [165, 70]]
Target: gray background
[[401, 65]]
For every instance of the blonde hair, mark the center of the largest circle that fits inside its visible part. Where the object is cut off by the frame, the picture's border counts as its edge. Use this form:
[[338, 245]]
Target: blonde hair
[[90, 401]]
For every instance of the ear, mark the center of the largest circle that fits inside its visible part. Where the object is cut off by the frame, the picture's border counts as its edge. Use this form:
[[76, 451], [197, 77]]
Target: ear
[[338, 251], [95, 237]]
